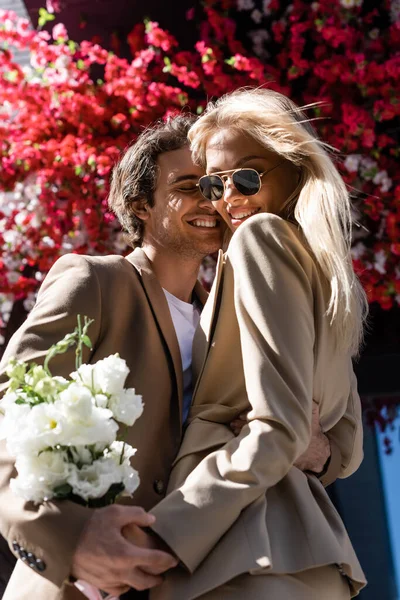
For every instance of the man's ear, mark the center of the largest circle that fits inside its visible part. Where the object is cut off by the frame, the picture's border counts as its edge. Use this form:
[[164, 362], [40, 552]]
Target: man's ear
[[140, 209]]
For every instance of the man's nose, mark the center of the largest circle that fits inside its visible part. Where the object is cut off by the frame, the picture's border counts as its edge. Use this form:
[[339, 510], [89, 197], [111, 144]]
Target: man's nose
[[207, 205]]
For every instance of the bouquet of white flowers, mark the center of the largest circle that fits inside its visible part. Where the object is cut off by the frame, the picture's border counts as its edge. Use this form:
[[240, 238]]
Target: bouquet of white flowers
[[63, 432]]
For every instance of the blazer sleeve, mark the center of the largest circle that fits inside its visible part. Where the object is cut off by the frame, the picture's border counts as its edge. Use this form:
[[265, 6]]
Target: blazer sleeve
[[50, 531], [346, 439], [274, 305]]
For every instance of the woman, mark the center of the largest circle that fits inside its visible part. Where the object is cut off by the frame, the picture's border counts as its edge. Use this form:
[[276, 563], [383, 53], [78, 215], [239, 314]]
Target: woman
[[284, 318]]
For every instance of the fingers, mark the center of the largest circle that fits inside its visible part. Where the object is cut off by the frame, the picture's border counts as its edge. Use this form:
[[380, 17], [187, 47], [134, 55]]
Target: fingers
[[140, 580], [131, 514], [116, 590], [157, 560]]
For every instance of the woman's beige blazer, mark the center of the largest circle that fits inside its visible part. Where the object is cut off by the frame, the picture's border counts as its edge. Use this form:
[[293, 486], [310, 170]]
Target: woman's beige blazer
[[237, 504]]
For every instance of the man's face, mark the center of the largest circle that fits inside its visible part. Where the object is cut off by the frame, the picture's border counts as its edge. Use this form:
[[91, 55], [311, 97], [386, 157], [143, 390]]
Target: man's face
[[182, 221]]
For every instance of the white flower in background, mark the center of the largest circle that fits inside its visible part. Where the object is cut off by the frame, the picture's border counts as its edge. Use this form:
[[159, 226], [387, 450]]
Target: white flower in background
[[30, 301], [126, 406], [245, 4], [13, 276], [383, 180], [259, 37], [352, 162], [119, 242], [266, 7], [47, 241], [94, 481], [395, 11], [11, 262], [257, 16], [347, 3], [380, 261], [368, 167], [358, 250]]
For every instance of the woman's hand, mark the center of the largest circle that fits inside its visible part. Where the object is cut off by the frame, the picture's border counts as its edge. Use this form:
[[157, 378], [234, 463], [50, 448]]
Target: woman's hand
[[318, 452]]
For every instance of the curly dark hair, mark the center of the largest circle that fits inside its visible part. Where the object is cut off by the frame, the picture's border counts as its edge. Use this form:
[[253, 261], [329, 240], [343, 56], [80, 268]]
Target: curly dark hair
[[134, 177]]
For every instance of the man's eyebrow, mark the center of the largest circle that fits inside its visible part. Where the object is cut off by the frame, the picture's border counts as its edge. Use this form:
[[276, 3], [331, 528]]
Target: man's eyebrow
[[188, 177]]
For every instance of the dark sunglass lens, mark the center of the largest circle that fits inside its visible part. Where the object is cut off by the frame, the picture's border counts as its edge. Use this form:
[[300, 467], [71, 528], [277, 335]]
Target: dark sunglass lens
[[247, 181], [211, 187]]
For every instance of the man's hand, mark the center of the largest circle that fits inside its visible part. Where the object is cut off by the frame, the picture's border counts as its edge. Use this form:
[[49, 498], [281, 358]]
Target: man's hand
[[137, 536], [106, 559], [317, 453]]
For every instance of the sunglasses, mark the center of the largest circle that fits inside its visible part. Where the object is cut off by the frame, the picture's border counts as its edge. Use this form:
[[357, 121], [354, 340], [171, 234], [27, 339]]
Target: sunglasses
[[246, 181]]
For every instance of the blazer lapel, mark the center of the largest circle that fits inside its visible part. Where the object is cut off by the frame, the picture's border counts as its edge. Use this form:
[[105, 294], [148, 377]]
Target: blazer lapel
[[162, 315], [204, 332]]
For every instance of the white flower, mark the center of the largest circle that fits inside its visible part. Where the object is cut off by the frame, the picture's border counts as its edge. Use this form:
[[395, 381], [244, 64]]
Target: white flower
[[358, 250], [126, 407], [85, 423], [15, 419], [107, 376], [352, 162], [121, 454], [45, 427], [77, 402], [382, 179], [266, 7], [245, 4], [101, 400], [111, 372], [94, 481], [39, 475], [87, 376], [256, 16], [380, 260], [347, 3]]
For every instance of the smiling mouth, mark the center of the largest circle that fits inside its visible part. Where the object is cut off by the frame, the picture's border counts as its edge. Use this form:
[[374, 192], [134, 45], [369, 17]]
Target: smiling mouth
[[242, 215], [209, 223]]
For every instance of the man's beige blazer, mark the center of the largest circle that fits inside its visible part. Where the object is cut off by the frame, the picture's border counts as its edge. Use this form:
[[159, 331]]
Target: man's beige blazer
[[132, 318], [237, 504]]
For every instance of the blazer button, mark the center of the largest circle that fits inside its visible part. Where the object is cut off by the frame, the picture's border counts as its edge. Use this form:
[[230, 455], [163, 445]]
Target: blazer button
[[40, 564], [159, 487], [23, 554]]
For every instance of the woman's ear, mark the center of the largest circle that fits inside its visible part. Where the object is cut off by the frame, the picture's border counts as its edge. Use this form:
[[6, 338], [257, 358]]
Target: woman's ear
[[140, 209]]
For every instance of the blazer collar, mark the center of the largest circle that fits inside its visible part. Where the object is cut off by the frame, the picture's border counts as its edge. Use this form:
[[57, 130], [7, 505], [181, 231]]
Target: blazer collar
[[204, 333], [162, 315]]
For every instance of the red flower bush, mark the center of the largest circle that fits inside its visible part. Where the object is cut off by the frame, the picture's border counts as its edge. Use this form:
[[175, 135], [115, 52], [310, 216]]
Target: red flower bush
[[64, 121]]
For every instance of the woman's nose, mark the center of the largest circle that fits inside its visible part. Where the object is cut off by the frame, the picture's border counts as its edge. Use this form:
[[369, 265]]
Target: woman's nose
[[231, 194]]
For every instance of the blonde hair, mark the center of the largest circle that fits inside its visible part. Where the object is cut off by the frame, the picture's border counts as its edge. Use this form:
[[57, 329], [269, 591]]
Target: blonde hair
[[320, 203]]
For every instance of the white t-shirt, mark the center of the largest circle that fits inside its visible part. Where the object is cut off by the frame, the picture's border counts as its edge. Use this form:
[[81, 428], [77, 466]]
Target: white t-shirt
[[185, 317]]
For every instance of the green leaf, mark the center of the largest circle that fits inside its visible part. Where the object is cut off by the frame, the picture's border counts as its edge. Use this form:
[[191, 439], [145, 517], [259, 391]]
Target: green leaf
[[86, 341], [62, 491], [230, 61]]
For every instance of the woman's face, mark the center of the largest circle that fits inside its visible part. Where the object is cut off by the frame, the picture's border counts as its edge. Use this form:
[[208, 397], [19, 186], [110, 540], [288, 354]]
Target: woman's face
[[228, 150]]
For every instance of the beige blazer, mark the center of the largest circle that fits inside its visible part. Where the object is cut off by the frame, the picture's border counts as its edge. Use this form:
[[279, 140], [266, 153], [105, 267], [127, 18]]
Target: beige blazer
[[238, 505], [132, 318]]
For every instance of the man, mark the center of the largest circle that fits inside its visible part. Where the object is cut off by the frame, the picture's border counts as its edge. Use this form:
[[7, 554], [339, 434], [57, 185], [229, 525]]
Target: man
[[145, 307]]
